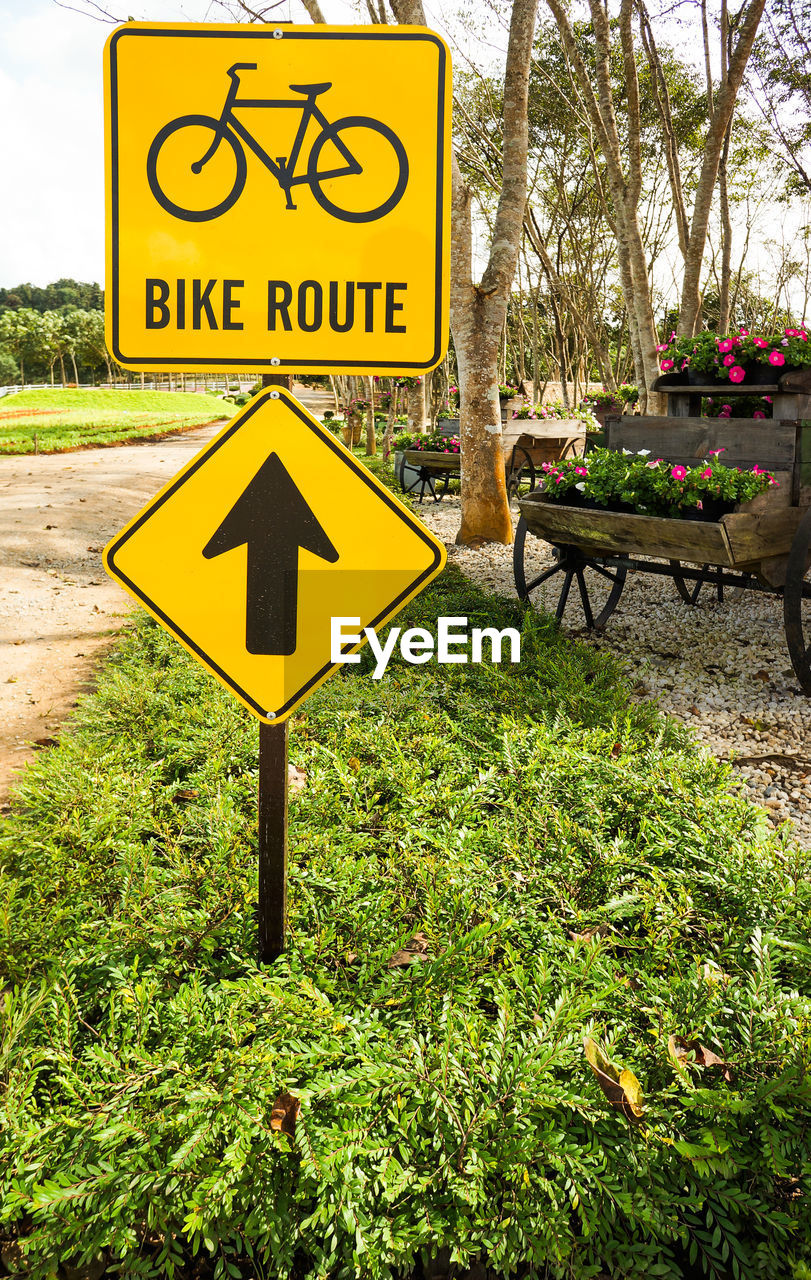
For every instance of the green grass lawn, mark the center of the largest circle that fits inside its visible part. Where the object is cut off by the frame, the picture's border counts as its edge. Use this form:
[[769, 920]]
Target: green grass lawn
[[566, 864], [67, 418]]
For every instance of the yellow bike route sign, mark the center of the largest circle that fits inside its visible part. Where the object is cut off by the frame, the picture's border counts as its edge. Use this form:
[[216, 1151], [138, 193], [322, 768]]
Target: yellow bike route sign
[[269, 533], [277, 197]]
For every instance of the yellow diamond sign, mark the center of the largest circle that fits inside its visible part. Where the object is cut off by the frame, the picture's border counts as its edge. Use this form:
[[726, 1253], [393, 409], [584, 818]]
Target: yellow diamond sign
[[277, 197], [269, 533]]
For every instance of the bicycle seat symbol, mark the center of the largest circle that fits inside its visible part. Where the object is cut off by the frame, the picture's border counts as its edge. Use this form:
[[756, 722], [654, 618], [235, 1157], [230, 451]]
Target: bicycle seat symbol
[[180, 152]]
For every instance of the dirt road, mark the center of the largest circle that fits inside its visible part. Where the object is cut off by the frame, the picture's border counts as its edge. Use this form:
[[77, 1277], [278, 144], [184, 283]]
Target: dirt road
[[59, 610]]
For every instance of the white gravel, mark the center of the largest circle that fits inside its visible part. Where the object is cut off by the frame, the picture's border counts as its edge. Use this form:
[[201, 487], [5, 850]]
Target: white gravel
[[722, 668]]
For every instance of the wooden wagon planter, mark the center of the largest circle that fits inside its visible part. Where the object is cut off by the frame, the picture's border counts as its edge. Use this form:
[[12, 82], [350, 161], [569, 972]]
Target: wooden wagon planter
[[763, 545], [525, 449]]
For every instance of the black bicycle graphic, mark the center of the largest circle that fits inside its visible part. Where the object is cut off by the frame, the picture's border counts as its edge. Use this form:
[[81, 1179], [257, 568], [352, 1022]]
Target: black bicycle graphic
[[229, 130]]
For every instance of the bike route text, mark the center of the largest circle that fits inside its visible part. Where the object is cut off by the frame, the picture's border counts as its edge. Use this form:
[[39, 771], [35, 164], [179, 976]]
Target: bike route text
[[370, 306]]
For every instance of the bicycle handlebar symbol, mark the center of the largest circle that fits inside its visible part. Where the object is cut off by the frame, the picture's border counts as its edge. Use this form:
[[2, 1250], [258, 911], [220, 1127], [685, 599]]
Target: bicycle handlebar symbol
[[228, 130]]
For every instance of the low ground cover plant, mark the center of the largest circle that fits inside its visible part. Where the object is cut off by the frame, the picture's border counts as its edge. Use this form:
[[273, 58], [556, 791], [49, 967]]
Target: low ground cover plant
[[508, 886], [619, 480], [66, 418]]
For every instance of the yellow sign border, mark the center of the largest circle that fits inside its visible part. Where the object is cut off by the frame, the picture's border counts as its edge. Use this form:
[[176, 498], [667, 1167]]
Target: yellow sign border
[[279, 364], [363, 473]]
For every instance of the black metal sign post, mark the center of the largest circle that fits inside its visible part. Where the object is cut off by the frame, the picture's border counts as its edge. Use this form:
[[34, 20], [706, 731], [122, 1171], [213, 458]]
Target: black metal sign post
[[272, 840], [272, 806]]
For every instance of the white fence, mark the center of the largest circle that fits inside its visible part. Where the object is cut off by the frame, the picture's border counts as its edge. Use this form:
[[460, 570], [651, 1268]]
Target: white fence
[[214, 386]]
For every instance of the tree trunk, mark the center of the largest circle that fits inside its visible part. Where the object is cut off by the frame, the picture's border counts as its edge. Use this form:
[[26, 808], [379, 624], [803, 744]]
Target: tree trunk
[[479, 312], [416, 408], [371, 439]]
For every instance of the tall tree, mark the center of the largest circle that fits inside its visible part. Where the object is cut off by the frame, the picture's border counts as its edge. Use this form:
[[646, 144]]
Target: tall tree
[[781, 83], [479, 310], [621, 151]]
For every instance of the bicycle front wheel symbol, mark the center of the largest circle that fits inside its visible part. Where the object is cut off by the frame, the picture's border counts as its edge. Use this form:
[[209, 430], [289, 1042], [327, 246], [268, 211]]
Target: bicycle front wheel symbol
[[182, 185]]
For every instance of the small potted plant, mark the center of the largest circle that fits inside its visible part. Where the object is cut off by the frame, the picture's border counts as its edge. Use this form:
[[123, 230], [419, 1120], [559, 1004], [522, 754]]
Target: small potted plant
[[602, 404], [447, 422]]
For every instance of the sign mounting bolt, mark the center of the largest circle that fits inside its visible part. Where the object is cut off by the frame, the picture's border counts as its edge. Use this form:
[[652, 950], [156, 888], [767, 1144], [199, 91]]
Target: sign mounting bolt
[[274, 395], [278, 33], [275, 360]]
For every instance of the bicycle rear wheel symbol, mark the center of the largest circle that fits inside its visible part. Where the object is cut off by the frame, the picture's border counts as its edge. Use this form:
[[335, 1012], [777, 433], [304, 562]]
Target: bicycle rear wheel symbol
[[203, 137]]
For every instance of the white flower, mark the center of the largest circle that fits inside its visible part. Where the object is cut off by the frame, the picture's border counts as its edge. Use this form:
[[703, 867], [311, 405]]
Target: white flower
[[580, 486], [642, 453], [628, 451]]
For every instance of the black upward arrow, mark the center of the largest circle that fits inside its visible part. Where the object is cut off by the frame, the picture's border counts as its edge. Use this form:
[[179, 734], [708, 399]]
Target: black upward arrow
[[272, 517]]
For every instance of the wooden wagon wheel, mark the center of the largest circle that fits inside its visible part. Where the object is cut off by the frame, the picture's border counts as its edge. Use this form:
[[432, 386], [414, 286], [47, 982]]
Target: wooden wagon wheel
[[521, 476], [797, 589], [689, 589], [425, 481], [599, 584]]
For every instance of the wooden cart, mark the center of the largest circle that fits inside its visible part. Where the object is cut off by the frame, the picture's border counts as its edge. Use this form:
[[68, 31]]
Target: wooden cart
[[526, 446], [763, 545]]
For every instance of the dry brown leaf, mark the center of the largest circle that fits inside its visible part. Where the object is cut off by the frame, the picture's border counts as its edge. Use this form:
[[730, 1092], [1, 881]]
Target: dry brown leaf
[[415, 949], [296, 778], [620, 1086], [284, 1114], [679, 1049], [187, 793], [595, 931], [354, 763], [616, 750]]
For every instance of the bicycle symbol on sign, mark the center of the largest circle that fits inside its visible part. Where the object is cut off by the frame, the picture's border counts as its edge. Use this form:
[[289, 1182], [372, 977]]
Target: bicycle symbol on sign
[[388, 156]]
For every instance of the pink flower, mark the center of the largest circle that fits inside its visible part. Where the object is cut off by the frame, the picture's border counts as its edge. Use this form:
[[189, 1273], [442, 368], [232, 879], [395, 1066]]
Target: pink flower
[[727, 407], [706, 473], [653, 465], [729, 360], [743, 333], [792, 333], [736, 373], [580, 471], [715, 452], [760, 342], [758, 414], [776, 358], [559, 480], [678, 473], [667, 364], [685, 362], [662, 346], [768, 399], [700, 505], [725, 344]]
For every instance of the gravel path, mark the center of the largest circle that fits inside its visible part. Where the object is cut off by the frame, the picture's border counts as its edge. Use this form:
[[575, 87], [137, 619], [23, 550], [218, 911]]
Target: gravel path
[[723, 668]]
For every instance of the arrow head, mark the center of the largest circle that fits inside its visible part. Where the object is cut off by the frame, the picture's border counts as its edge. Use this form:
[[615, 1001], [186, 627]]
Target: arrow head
[[273, 518]]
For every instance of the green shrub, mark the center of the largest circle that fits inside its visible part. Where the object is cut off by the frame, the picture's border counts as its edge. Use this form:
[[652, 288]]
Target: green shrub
[[566, 865]]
